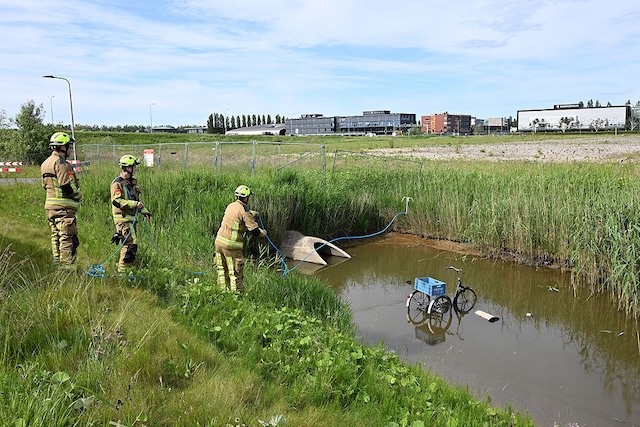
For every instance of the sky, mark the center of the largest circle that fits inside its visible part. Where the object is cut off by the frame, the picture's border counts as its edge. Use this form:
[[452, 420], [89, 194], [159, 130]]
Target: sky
[[175, 62]]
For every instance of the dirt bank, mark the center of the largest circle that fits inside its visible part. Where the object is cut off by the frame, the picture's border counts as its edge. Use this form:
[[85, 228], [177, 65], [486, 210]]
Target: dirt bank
[[595, 148]]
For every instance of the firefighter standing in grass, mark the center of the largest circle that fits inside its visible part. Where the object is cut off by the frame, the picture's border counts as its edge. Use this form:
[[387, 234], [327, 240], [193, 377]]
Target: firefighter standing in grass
[[125, 201], [62, 202], [237, 221]]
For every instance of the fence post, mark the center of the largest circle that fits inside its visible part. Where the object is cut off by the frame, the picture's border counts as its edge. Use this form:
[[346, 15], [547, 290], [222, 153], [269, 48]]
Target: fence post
[[333, 169], [215, 157], [159, 154], [186, 154], [324, 166], [253, 162]]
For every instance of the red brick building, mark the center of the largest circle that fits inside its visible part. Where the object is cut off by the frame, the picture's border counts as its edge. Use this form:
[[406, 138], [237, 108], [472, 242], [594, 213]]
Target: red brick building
[[446, 124]]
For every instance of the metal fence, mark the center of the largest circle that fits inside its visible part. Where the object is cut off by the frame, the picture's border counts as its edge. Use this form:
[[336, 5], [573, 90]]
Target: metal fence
[[246, 156]]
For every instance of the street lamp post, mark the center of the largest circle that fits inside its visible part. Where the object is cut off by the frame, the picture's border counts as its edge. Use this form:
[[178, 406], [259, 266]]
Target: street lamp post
[[73, 125], [51, 102], [151, 118]]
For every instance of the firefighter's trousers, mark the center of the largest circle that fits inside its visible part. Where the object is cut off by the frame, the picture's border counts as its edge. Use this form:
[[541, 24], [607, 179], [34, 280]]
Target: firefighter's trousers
[[64, 236], [130, 246], [230, 263]]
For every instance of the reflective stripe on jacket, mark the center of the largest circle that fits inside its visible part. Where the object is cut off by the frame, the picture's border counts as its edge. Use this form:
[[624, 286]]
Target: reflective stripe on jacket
[[60, 182], [236, 221]]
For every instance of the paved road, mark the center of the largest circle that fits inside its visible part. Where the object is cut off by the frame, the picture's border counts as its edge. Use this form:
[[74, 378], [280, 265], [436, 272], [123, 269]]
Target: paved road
[[10, 181]]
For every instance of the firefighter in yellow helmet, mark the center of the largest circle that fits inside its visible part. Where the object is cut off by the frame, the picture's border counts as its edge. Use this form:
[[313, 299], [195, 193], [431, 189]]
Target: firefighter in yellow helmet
[[63, 199], [237, 221], [125, 204]]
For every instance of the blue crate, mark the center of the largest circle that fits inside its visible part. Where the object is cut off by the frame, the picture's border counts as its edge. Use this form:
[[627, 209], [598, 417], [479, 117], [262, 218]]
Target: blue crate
[[430, 286]]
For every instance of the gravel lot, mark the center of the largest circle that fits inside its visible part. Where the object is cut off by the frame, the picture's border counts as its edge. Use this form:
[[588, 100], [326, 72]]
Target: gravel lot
[[591, 149]]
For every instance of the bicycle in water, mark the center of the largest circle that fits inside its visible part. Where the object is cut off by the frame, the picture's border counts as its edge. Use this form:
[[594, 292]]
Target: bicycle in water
[[429, 299]]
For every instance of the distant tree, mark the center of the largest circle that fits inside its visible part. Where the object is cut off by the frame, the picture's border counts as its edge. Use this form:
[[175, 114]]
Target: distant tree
[[598, 104], [254, 120], [590, 103], [5, 132], [268, 119], [596, 124], [30, 142], [565, 123], [210, 125], [534, 124], [259, 120], [277, 118], [244, 121], [264, 120], [608, 104], [218, 123], [233, 123]]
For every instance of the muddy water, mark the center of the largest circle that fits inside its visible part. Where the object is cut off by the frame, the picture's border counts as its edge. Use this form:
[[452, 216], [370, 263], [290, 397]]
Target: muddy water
[[562, 359]]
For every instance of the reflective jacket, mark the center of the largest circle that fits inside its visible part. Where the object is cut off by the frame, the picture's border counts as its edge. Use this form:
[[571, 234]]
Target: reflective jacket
[[125, 195], [237, 220], [60, 182]]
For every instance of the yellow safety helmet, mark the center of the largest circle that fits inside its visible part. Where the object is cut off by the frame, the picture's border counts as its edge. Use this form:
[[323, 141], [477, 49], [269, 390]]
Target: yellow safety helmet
[[59, 139], [129, 160], [243, 191]]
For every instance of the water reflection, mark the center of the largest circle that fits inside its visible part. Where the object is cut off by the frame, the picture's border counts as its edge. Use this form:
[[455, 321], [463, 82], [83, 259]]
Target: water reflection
[[558, 352], [433, 330]]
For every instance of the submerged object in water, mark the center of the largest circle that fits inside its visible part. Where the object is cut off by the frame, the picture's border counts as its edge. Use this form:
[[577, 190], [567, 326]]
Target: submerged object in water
[[299, 247]]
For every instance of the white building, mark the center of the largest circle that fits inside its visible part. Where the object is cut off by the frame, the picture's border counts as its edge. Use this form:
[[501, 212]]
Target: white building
[[574, 117], [269, 129]]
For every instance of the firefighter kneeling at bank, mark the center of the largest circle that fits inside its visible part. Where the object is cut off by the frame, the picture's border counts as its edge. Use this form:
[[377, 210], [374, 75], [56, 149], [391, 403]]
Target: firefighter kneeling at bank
[[238, 220], [125, 204], [62, 202]]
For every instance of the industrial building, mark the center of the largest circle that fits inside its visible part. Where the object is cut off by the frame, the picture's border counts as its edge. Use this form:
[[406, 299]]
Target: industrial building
[[574, 117], [312, 124], [380, 122]]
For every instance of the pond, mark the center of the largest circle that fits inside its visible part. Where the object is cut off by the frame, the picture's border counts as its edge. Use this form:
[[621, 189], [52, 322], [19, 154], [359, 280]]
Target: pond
[[557, 353]]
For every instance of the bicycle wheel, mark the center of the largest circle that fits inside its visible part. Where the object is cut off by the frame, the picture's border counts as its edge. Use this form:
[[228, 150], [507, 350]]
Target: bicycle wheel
[[417, 304], [439, 306], [439, 322], [465, 300]]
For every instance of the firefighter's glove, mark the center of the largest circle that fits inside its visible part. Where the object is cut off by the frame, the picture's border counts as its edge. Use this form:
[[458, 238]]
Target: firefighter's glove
[[147, 216], [117, 238], [263, 232], [255, 213]]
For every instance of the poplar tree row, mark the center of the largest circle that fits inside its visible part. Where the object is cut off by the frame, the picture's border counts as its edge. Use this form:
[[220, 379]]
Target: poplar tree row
[[218, 123]]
